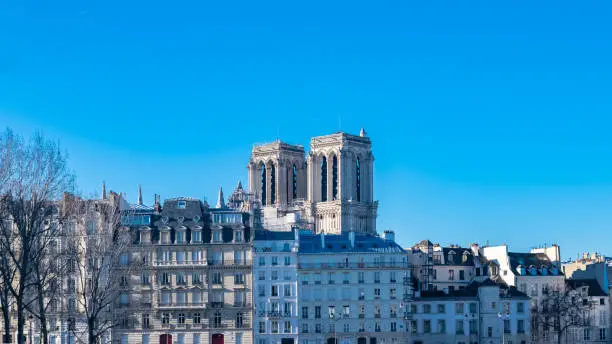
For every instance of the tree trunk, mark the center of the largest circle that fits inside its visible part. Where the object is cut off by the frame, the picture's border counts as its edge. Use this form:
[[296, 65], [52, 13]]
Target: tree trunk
[[6, 314], [91, 334], [42, 317], [20, 320]]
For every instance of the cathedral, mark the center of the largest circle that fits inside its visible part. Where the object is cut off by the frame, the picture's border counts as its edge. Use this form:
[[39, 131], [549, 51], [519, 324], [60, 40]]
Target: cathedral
[[328, 190]]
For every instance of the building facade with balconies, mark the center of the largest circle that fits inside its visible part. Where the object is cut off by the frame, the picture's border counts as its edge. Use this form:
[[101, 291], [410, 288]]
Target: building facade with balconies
[[195, 284], [352, 288], [275, 286]]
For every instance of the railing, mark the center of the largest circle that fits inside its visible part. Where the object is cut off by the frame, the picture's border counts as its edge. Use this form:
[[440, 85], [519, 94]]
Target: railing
[[219, 304], [370, 265], [183, 305], [204, 262]]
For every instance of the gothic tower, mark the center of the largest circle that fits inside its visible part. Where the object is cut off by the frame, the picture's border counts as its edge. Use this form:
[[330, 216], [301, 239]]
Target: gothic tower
[[340, 183], [277, 174]]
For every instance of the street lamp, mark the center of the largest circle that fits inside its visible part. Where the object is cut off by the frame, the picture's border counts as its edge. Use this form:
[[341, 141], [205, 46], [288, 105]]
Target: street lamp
[[30, 332], [503, 317]]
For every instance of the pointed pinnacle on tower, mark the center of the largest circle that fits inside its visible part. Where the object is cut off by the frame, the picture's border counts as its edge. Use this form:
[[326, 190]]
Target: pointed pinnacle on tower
[[220, 200], [139, 194], [103, 189]]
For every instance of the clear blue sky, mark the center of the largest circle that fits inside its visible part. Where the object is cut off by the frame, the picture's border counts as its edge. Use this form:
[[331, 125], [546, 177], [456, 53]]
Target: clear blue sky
[[490, 122]]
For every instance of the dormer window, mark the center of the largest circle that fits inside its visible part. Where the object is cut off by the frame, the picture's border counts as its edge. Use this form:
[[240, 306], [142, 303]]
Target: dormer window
[[238, 236], [451, 257], [217, 236], [196, 236], [181, 204], [179, 237], [145, 236], [165, 237], [465, 257]]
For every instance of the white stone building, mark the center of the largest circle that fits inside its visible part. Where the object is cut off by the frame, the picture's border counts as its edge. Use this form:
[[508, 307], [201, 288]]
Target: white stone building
[[330, 190], [276, 288], [484, 312], [352, 289]]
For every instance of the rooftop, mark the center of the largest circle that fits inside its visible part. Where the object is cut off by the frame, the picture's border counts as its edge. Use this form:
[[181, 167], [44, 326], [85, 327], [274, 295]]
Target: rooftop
[[334, 243]]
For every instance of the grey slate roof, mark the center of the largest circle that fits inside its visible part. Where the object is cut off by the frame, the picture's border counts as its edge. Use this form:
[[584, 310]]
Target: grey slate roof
[[265, 235], [334, 243], [459, 253], [538, 260], [594, 287]]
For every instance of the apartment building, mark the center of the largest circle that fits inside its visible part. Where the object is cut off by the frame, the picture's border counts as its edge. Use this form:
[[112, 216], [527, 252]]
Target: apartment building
[[196, 282], [484, 312], [276, 288], [352, 288]]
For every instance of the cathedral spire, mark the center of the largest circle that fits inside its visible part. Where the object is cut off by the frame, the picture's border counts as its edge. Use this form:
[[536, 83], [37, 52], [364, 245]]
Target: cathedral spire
[[363, 133], [139, 194], [103, 189], [220, 200]]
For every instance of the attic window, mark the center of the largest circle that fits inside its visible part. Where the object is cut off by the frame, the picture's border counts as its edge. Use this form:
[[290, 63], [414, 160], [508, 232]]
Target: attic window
[[329, 246], [181, 204]]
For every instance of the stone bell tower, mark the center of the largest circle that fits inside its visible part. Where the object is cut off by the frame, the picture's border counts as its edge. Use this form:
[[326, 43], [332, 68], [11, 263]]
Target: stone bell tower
[[340, 183], [277, 174]]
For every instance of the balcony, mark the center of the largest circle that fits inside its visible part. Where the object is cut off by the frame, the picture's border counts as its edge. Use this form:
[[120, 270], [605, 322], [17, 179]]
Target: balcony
[[180, 305], [218, 304], [274, 314], [343, 265]]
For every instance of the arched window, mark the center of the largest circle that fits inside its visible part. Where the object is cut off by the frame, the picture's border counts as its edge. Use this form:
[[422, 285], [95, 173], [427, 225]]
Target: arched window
[[294, 182], [324, 180], [335, 178], [263, 184], [272, 184], [358, 179]]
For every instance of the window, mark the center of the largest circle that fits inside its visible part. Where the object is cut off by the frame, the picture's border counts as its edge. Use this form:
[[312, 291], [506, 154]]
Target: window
[[304, 328], [335, 178], [459, 308], [317, 312], [489, 331], [261, 289], [473, 306], [182, 204], [376, 277], [196, 236], [123, 261], [165, 318], [318, 328], [459, 327], [262, 261], [274, 275], [217, 238], [602, 334], [358, 179], [602, 301], [461, 275], [587, 333], [145, 339], [180, 278], [239, 319], [426, 326], [217, 319], [473, 326], [520, 307], [217, 278], [376, 293], [324, 179], [273, 186], [442, 326], [197, 318], [392, 293], [274, 290], [239, 278], [181, 318], [274, 261], [361, 278], [180, 237], [287, 261], [145, 321], [262, 275], [196, 338], [520, 326], [426, 308], [196, 278], [274, 326], [144, 278], [262, 325], [238, 236], [287, 326], [294, 182], [441, 308], [451, 275], [287, 291]]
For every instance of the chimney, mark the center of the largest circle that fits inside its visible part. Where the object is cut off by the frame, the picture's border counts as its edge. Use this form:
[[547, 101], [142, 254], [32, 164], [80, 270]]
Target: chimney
[[351, 236], [157, 207], [389, 235], [139, 194]]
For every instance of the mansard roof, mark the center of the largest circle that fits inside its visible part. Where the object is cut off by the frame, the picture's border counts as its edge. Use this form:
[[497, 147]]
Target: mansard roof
[[471, 291], [192, 208], [594, 289], [459, 253], [538, 260], [266, 235], [335, 243]]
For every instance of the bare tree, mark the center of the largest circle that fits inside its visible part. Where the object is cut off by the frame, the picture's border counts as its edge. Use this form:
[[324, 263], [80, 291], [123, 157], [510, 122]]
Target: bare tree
[[100, 256], [561, 310], [33, 174]]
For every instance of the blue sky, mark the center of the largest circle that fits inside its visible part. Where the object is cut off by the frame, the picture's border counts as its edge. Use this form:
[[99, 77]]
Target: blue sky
[[490, 121]]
